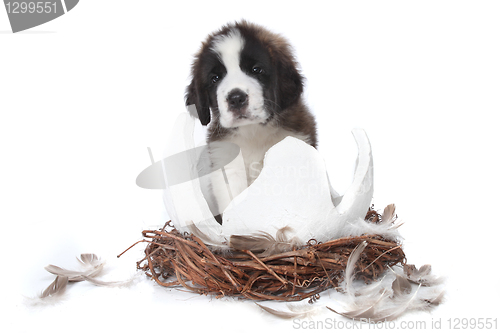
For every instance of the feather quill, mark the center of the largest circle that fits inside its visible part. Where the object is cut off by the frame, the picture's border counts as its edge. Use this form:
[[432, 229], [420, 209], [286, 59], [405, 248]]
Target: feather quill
[[98, 282]]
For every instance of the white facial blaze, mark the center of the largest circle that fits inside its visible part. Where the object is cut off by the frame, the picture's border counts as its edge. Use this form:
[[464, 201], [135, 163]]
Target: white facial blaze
[[229, 49]]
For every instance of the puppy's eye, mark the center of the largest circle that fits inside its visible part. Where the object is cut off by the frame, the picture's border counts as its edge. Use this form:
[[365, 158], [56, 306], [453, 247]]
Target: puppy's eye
[[257, 70], [215, 78]]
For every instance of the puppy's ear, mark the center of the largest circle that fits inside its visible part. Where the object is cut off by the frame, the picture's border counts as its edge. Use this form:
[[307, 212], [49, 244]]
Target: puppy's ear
[[196, 96], [290, 82]]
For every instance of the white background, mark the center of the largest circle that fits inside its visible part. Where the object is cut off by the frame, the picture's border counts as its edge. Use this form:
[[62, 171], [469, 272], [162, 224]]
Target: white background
[[83, 96]]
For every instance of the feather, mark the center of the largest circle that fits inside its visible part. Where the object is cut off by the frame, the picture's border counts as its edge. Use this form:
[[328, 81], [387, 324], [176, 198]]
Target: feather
[[422, 275], [204, 237], [351, 265], [401, 286], [389, 214], [255, 242], [263, 241], [56, 288], [380, 303], [89, 259], [384, 308], [294, 312], [73, 276], [436, 300], [374, 288], [358, 227], [363, 312], [397, 310], [92, 266], [389, 218], [107, 283]]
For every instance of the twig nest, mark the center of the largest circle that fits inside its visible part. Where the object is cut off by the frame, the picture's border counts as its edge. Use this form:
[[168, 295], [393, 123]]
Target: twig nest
[[176, 259]]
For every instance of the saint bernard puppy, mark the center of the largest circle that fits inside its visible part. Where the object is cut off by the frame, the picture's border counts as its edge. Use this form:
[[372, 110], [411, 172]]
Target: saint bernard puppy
[[247, 88]]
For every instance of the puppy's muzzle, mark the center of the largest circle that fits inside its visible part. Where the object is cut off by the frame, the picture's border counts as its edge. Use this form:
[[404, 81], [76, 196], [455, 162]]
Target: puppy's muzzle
[[237, 101]]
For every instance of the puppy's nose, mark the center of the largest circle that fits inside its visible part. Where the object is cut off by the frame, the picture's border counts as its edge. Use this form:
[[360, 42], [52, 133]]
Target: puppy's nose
[[237, 99]]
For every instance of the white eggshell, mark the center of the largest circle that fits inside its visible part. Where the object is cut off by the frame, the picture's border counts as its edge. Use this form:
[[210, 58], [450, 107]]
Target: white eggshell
[[184, 202], [292, 190]]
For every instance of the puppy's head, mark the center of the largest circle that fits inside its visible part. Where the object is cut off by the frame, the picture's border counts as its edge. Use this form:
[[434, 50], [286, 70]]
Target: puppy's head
[[245, 75]]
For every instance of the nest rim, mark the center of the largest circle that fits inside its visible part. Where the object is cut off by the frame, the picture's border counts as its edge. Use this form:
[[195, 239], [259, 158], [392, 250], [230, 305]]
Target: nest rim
[[173, 260]]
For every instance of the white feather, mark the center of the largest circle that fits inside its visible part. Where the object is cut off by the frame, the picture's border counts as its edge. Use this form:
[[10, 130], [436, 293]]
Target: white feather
[[379, 301], [351, 265]]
